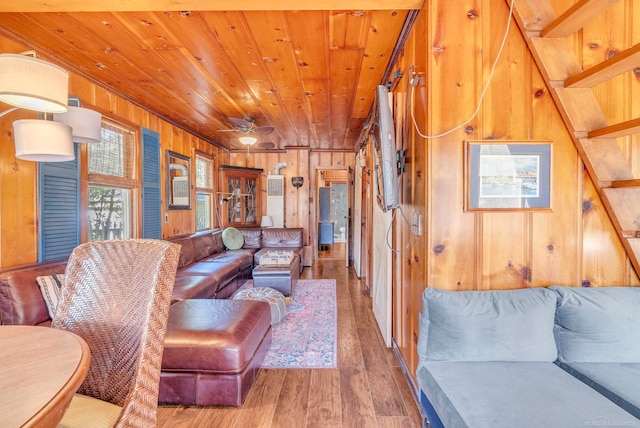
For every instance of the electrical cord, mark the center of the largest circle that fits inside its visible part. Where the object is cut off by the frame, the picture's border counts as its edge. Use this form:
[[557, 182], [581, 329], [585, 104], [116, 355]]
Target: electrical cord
[[415, 79]]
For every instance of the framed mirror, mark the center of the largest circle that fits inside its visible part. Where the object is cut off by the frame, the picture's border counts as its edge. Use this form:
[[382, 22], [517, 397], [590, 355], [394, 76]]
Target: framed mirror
[[178, 184]]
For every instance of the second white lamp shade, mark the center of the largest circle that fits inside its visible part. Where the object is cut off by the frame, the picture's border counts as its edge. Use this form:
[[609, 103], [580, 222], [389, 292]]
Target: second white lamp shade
[[43, 140], [86, 124]]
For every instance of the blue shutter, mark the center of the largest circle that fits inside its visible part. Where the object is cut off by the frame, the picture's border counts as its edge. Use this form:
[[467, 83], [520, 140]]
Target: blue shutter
[[59, 208], [151, 202]]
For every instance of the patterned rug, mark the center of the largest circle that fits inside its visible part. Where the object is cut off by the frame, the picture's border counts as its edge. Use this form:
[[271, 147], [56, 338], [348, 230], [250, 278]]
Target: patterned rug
[[307, 337]]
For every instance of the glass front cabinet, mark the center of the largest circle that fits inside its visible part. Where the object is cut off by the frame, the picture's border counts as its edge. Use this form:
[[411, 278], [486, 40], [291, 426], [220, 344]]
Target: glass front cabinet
[[240, 196]]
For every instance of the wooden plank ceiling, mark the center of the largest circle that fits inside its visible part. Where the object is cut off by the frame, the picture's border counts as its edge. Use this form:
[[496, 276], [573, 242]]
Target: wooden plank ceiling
[[310, 74]]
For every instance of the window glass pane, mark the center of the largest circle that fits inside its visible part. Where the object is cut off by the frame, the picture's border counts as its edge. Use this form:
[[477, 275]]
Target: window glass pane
[[109, 213], [113, 156], [204, 173], [203, 210]]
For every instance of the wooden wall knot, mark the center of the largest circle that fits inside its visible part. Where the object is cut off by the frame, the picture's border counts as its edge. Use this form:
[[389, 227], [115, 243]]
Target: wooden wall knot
[[472, 14], [526, 273], [438, 249], [586, 283]]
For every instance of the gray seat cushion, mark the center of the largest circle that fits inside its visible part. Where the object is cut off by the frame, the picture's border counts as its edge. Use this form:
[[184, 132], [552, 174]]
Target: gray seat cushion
[[619, 382], [515, 394]]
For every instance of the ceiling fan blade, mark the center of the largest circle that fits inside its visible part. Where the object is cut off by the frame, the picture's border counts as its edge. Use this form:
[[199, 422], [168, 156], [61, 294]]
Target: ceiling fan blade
[[240, 123], [264, 130]]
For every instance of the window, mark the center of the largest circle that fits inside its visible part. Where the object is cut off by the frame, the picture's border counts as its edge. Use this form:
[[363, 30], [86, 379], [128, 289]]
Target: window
[[111, 184], [204, 192]]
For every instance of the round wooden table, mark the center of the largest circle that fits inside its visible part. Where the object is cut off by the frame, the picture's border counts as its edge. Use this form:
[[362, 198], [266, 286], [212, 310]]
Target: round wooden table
[[40, 370]]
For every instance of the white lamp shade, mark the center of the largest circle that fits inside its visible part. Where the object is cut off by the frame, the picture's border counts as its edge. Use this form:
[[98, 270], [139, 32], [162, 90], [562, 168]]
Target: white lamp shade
[[247, 140], [85, 124], [267, 221], [33, 84], [43, 140]]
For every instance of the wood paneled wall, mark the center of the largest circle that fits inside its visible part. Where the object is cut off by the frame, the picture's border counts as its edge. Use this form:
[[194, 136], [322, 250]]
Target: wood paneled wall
[[300, 204], [452, 47], [18, 179]]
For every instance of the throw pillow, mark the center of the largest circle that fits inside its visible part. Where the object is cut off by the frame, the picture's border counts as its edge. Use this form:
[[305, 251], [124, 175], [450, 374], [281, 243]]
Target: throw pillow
[[232, 238], [50, 286]]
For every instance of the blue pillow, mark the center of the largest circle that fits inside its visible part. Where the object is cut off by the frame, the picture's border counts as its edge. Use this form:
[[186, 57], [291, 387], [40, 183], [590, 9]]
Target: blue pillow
[[497, 325], [598, 325]]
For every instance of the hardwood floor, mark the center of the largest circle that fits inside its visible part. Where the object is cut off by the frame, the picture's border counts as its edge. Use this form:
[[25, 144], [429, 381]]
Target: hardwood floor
[[368, 389], [333, 252]]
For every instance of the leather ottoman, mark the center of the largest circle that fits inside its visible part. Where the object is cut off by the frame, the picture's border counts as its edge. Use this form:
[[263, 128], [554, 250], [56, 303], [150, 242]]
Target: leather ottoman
[[213, 350], [282, 278]]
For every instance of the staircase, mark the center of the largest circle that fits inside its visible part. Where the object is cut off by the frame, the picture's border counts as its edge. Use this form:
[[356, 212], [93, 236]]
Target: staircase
[[572, 90]]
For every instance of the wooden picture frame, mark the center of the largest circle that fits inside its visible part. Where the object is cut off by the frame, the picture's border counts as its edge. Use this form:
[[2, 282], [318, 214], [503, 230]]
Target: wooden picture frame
[[178, 182], [508, 175]]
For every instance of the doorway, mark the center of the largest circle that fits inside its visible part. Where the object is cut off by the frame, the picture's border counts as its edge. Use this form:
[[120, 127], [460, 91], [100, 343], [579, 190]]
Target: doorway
[[333, 215]]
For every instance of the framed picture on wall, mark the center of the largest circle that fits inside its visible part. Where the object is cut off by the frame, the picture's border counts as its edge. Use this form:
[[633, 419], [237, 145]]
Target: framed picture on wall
[[507, 175]]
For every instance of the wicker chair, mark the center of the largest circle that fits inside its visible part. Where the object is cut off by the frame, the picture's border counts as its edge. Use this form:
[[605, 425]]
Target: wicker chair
[[116, 297]]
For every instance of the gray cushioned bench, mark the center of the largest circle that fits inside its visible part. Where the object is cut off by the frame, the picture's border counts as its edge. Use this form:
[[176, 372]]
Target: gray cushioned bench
[[488, 358]]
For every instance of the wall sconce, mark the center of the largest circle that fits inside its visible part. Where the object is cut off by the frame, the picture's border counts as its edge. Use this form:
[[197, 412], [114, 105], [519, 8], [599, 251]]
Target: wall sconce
[[297, 181]]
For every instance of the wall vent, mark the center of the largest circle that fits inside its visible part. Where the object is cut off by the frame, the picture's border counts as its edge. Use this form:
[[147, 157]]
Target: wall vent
[[275, 199]]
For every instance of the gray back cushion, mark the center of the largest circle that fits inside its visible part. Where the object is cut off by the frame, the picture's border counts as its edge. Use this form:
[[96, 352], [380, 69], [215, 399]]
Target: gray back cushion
[[500, 325], [598, 324]]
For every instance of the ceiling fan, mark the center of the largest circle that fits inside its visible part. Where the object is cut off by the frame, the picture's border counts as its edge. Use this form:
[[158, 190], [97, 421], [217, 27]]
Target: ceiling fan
[[247, 125]]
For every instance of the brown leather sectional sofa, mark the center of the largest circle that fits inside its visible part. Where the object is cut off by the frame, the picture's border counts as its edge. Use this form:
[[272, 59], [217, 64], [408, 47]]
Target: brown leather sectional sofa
[[196, 369]]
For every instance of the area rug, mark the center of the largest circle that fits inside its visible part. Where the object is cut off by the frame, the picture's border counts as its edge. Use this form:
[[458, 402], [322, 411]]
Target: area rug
[[307, 337]]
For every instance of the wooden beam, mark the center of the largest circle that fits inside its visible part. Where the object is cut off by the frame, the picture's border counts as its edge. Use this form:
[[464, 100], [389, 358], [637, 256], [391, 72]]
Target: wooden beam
[[200, 5], [576, 17], [606, 70], [630, 127]]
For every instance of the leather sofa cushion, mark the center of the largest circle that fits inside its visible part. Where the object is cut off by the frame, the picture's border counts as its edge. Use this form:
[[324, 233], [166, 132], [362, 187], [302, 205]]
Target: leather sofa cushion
[[252, 238], [21, 301], [238, 258], [194, 287], [214, 335], [281, 237], [220, 271], [187, 250], [198, 246]]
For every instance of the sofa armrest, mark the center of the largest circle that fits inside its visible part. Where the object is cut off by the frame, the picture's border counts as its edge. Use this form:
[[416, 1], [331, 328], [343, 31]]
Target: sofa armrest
[[21, 301]]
